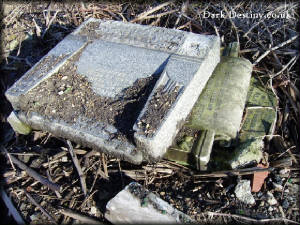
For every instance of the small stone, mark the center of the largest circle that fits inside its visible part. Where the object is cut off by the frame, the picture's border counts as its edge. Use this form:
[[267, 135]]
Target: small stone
[[259, 194], [64, 159], [271, 199], [285, 204], [22, 207], [270, 209], [278, 179], [94, 210], [243, 192], [277, 187], [60, 93], [284, 171], [262, 203], [34, 217]]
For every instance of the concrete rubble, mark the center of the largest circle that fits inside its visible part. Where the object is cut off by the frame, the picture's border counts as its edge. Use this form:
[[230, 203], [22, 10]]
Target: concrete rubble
[[249, 151], [134, 204], [112, 59], [17, 124], [243, 192]]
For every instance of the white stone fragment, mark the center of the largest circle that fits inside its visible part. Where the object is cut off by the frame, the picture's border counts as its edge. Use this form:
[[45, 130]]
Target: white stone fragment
[[271, 199], [135, 205], [243, 192]]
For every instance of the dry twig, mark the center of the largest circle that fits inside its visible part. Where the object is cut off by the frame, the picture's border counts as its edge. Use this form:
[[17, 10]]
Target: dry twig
[[34, 174], [143, 15], [31, 199], [77, 165], [14, 212], [274, 48], [245, 218], [80, 217]]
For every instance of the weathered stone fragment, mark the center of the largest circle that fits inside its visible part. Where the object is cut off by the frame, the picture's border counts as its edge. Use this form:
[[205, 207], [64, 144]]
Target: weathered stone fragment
[[17, 124], [249, 151], [135, 205], [243, 192]]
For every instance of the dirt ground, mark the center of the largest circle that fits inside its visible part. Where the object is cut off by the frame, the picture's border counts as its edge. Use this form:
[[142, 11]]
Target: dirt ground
[[271, 43]]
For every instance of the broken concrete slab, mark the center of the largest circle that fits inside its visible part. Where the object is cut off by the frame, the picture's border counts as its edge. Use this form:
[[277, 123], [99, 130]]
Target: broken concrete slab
[[135, 204], [259, 95], [260, 113], [221, 104], [192, 150], [258, 121], [116, 67], [218, 111], [249, 151]]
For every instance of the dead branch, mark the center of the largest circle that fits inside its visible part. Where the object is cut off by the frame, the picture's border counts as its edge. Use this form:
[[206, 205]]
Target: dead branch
[[274, 48], [245, 218], [14, 212], [34, 174], [77, 165], [80, 217], [31, 199], [49, 177], [286, 66], [143, 15], [237, 172]]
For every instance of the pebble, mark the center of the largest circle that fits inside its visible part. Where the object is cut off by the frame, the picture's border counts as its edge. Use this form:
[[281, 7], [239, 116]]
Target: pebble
[[270, 209], [93, 210], [259, 194], [243, 192], [33, 217], [23, 207], [64, 159], [277, 187], [262, 203], [284, 171], [278, 179], [285, 204], [271, 199]]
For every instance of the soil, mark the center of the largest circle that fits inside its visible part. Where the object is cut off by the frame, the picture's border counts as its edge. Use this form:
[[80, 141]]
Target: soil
[[69, 96], [158, 107]]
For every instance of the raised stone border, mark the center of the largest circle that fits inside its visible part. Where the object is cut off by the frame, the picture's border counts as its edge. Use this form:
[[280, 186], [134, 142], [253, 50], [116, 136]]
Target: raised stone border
[[128, 52]]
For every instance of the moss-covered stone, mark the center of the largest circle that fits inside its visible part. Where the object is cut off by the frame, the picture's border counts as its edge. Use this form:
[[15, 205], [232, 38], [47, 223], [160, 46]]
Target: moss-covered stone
[[249, 151], [17, 124]]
